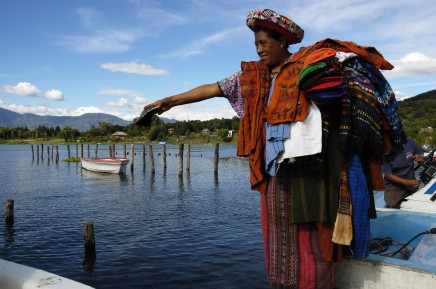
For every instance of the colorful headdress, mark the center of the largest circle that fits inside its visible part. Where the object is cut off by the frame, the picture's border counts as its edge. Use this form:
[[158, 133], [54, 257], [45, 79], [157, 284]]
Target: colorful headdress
[[274, 21]]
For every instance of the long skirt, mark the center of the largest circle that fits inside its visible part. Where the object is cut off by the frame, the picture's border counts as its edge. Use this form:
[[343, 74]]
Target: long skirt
[[292, 251]]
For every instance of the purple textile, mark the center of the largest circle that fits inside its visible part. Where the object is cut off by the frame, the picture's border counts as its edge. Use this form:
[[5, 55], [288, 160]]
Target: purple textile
[[231, 89]]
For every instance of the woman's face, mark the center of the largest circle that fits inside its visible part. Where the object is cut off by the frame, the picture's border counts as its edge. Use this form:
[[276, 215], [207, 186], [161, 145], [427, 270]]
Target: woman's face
[[270, 50]]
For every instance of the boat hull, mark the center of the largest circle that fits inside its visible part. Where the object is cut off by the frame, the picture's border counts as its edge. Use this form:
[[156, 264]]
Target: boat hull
[[371, 274], [105, 165], [17, 276], [380, 269]]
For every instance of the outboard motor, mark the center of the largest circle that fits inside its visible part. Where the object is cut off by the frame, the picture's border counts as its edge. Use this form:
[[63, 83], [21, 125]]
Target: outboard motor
[[429, 171]]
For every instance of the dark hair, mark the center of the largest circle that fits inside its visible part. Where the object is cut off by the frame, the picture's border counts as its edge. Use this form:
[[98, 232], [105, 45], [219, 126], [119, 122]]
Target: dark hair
[[272, 34]]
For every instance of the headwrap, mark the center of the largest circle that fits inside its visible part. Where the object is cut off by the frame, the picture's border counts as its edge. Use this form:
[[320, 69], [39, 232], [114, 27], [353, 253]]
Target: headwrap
[[272, 20]]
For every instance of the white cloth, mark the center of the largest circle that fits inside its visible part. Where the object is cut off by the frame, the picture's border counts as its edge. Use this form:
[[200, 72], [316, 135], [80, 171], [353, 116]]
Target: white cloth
[[305, 136]]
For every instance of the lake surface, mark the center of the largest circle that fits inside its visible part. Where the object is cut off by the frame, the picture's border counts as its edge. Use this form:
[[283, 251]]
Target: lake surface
[[151, 230]]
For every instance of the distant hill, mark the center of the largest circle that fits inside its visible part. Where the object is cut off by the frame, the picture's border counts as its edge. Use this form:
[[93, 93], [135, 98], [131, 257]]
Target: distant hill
[[82, 123]]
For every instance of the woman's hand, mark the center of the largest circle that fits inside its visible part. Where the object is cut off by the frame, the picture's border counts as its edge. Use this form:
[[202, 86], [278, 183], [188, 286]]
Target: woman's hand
[[164, 104]]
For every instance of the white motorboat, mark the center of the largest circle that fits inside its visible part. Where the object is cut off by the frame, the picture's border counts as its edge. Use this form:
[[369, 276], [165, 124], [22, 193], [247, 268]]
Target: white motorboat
[[17, 276], [105, 165], [403, 244]]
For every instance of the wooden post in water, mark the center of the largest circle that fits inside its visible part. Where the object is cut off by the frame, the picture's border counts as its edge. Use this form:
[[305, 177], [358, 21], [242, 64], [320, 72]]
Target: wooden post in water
[[150, 152], [124, 151], [88, 151], [37, 153], [110, 151], [88, 236], [143, 157], [48, 153], [96, 150], [68, 149], [217, 156], [181, 147], [42, 152], [81, 150], [33, 153], [9, 211], [77, 150], [57, 154], [52, 151], [188, 158], [164, 157], [132, 156]]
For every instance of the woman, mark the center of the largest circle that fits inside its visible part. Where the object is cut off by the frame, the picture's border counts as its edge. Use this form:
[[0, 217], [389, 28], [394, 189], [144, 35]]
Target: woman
[[300, 191]]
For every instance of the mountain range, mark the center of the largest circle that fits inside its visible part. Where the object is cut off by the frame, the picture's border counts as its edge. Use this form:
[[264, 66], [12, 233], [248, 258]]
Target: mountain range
[[84, 122]]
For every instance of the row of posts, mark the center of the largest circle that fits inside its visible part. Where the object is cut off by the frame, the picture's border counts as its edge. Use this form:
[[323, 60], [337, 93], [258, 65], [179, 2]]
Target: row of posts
[[112, 154], [88, 234]]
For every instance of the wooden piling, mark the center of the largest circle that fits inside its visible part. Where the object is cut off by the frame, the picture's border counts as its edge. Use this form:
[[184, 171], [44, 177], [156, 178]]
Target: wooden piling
[[217, 156], [57, 154], [77, 150], [33, 153], [52, 151], [150, 152], [9, 211], [124, 151], [48, 153], [81, 150], [68, 149], [96, 150], [188, 158], [88, 236], [37, 153], [42, 152], [88, 150], [132, 156], [164, 157], [181, 147]]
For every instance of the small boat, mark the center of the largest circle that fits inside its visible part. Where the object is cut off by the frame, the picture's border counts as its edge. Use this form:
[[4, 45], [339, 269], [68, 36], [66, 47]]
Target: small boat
[[403, 245], [17, 276], [105, 165]]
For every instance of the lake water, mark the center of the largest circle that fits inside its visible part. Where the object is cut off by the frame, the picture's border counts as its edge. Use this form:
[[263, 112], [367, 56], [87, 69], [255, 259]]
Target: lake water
[[151, 230]]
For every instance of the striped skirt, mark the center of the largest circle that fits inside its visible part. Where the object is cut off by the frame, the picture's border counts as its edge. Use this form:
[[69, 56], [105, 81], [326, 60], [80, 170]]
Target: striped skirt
[[292, 251]]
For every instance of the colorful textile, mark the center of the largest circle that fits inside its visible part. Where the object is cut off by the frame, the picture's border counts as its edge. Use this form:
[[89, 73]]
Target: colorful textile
[[255, 88], [274, 21], [343, 230], [365, 130], [387, 103], [361, 208], [292, 251]]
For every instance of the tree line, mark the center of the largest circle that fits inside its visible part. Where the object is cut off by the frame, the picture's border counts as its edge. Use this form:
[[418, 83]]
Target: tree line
[[159, 130]]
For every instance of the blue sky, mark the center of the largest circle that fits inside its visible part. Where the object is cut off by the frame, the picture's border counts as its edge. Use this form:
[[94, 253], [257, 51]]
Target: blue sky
[[69, 57]]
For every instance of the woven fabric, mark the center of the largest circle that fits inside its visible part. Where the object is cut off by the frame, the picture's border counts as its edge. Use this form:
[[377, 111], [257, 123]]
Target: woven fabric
[[343, 230], [272, 20], [292, 251], [361, 208], [364, 124]]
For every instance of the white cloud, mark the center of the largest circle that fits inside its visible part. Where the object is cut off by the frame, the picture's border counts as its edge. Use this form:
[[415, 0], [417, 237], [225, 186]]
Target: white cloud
[[23, 89], [86, 109], [123, 92], [199, 46], [122, 102], [133, 67], [101, 36], [54, 94], [413, 64], [199, 111]]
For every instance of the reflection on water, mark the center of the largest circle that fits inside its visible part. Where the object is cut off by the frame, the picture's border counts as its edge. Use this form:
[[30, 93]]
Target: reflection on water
[[152, 230], [103, 177]]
